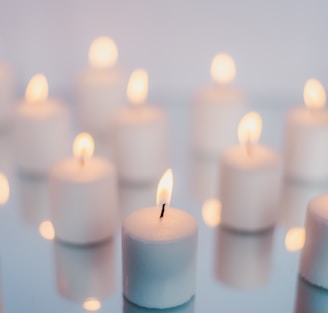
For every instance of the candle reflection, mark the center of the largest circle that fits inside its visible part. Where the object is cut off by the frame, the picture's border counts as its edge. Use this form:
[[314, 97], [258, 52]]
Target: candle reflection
[[85, 275], [129, 307], [295, 239], [211, 212], [4, 189], [243, 261], [310, 299], [46, 230]]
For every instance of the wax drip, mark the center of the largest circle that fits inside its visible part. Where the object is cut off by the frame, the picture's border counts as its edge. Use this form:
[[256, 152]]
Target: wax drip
[[163, 209]]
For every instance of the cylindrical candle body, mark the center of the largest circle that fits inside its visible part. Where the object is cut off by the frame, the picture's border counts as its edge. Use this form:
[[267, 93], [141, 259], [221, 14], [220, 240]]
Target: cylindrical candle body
[[6, 94], [159, 257], [141, 143], [243, 260], [83, 200], [314, 259], [41, 135], [306, 144], [217, 111], [100, 93], [249, 187]]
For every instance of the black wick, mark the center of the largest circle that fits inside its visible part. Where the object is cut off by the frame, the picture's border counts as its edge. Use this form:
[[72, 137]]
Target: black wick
[[163, 208]]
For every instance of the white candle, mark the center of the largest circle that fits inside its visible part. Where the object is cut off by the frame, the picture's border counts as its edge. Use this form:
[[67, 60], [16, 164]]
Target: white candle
[[100, 88], [140, 143], [83, 196], [217, 109], [41, 128], [159, 253], [6, 94], [243, 262], [314, 259], [306, 144], [250, 180]]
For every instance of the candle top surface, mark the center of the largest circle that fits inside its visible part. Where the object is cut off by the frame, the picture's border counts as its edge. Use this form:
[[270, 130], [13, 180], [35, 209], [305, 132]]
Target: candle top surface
[[71, 170], [146, 224], [319, 206], [256, 156], [304, 115]]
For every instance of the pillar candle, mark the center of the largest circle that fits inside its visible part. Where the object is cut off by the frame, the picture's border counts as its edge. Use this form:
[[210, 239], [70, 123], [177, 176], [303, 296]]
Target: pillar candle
[[41, 129], [140, 139], [250, 180], [217, 109], [314, 259], [159, 253], [6, 94], [83, 195], [306, 144], [100, 87]]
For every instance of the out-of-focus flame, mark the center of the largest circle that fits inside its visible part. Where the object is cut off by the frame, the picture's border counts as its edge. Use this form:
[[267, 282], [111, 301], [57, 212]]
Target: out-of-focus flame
[[250, 128], [223, 68], [314, 94], [83, 146], [4, 189], [37, 89], [164, 188], [47, 230], [137, 90], [103, 52], [295, 239], [92, 304], [211, 212]]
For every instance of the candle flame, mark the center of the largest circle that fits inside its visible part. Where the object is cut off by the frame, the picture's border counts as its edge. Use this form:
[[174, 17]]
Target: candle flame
[[211, 212], [250, 128], [164, 188], [37, 89], [137, 90], [46, 230], [295, 239], [92, 304], [4, 189], [223, 68], [103, 52], [314, 94], [83, 146]]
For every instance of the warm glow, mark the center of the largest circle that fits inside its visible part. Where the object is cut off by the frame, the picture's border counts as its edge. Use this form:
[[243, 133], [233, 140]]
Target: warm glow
[[46, 230], [83, 146], [103, 52], [223, 68], [37, 89], [211, 212], [137, 90], [92, 304], [4, 189], [250, 128], [164, 188], [295, 239], [314, 94]]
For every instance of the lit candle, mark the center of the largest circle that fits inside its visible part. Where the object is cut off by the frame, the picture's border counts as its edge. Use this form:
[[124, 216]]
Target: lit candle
[[250, 180], [314, 259], [306, 144], [6, 94], [41, 128], [217, 109], [140, 143], [159, 253], [83, 195], [100, 87]]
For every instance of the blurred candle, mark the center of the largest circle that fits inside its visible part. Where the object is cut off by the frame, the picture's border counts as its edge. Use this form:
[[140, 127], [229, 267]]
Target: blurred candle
[[217, 109], [159, 253], [250, 180], [100, 87], [140, 142], [41, 128], [6, 94], [306, 144], [83, 195]]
